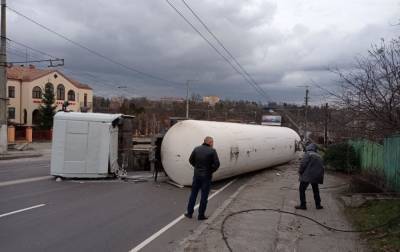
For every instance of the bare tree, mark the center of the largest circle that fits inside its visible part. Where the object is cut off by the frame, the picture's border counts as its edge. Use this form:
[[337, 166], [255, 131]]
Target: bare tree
[[371, 90]]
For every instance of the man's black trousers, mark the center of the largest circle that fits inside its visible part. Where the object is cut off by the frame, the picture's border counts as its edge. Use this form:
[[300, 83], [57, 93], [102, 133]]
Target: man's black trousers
[[202, 183], [303, 188]]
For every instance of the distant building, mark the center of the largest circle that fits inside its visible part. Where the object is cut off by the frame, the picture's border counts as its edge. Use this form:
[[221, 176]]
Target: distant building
[[168, 100], [211, 100], [25, 87], [116, 103]]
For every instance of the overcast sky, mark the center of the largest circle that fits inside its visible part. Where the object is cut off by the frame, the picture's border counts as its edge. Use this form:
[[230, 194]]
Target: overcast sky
[[282, 44]]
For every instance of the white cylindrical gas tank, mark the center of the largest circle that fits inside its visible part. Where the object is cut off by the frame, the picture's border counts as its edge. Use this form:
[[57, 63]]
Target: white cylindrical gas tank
[[241, 147]]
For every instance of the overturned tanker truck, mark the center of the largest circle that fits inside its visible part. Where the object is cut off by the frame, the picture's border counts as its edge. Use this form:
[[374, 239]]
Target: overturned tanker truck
[[241, 148]]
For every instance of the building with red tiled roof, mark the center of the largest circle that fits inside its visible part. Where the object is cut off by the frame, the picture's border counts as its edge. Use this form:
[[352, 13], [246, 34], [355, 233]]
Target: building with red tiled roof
[[25, 86]]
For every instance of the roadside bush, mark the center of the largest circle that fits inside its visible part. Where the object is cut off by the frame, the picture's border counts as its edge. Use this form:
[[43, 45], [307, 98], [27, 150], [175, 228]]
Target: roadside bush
[[341, 157]]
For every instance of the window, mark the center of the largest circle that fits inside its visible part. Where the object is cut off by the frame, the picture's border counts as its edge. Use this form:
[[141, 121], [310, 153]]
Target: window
[[25, 116], [85, 100], [37, 93], [36, 117], [71, 95], [60, 92], [11, 113], [11, 92]]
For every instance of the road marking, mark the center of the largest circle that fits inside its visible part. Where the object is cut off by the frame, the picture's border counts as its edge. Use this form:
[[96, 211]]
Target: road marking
[[21, 210], [21, 181], [172, 223], [217, 212]]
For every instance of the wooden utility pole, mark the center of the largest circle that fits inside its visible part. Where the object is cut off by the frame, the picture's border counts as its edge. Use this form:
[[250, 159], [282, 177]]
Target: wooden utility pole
[[326, 125], [187, 99], [306, 115], [3, 81], [305, 112]]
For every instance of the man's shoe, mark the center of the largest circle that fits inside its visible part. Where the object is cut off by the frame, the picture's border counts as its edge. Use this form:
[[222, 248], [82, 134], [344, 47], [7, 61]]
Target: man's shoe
[[202, 218], [189, 216], [319, 207], [301, 207]]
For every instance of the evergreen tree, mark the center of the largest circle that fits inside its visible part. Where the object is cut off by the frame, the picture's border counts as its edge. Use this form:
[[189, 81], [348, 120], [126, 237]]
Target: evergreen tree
[[47, 109]]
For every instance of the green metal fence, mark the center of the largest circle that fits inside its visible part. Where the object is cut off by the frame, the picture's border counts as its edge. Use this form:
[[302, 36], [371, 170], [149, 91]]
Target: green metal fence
[[382, 160], [392, 162]]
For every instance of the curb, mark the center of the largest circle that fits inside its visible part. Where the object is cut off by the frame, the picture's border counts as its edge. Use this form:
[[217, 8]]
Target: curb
[[9, 157]]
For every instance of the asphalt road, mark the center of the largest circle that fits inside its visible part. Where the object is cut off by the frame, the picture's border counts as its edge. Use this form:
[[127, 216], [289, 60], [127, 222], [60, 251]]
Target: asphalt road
[[21, 169], [89, 215]]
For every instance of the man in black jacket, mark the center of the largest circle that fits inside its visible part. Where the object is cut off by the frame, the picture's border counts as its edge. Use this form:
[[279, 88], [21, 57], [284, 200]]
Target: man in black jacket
[[205, 160], [311, 171]]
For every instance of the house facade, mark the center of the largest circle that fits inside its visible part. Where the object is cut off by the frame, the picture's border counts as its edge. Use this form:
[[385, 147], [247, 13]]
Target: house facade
[[211, 100], [26, 85]]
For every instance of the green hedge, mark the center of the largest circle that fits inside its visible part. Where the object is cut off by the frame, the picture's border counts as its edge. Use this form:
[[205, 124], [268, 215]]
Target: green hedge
[[341, 157]]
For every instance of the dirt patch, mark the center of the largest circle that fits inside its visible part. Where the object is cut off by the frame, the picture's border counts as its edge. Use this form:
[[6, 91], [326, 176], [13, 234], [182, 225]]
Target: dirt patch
[[359, 184]]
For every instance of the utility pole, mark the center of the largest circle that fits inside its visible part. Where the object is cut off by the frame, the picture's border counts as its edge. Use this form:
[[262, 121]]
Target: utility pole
[[306, 115], [3, 81], [326, 125], [305, 112], [187, 97]]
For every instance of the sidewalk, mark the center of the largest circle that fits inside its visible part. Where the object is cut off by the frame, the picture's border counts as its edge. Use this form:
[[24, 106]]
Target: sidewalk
[[272, 231], [32, 150]]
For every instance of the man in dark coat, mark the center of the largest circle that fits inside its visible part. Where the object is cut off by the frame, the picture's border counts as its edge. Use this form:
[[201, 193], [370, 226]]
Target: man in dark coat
[[311, 171], [205, 161]]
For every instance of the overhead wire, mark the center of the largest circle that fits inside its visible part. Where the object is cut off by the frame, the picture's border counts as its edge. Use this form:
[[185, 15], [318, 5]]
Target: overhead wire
[[36, 53], [102, 81], [246, 75], [212, 46], [19, 52], [98, 54], [93, 77], [31, 48], [225, 49], [12, 49], [30, 54], [16, 54]]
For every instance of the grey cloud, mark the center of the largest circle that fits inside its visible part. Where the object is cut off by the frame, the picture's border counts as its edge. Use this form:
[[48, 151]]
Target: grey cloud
[[150, 36]]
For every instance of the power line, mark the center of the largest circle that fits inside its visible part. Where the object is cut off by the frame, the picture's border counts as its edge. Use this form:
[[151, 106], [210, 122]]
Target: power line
[[210, 44], [91, 50], [16, 54], [23, 55], [30, 48], [11, 48], [253, 83], [17, 50], [33, 61], [215, 49], [96, 79], [224, 47]]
